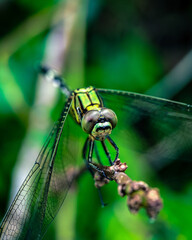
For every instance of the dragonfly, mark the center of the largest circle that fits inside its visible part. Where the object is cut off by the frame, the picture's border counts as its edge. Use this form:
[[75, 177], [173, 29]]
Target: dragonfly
[[98, 116]]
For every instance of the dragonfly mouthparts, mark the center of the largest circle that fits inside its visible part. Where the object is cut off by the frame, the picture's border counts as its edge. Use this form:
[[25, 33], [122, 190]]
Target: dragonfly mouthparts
[[101, 130]]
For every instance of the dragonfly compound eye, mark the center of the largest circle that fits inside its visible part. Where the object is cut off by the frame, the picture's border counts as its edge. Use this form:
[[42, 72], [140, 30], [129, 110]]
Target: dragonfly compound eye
[[89, 120], [110, 116]]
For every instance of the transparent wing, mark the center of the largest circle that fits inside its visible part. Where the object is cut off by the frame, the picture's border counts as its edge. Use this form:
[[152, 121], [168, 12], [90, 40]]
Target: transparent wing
[[159, 129], [44, 189]]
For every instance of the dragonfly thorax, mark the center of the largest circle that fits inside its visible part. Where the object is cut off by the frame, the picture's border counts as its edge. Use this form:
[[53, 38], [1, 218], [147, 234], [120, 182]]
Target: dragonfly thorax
[[89, 112], [99, 122]]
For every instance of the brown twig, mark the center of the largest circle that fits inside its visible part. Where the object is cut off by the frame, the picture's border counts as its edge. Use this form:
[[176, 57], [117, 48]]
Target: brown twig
[[138, 192]]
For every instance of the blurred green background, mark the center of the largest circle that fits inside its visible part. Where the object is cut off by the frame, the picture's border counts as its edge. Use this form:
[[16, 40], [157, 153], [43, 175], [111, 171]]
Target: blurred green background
[[127, 45]]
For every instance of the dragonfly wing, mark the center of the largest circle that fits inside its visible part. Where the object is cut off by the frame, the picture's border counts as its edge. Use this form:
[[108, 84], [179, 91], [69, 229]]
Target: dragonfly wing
[[44, 189], [160, 129]]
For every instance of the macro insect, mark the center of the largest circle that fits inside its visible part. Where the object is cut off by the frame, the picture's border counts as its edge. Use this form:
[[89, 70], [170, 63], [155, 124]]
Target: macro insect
[[98, 112]]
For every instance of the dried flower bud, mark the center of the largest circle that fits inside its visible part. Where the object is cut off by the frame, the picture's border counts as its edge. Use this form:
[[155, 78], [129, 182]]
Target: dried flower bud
[[134, 203], [154, 203], [120, 167], [100, 181], [138, 192], [121, 178], [121, 190]]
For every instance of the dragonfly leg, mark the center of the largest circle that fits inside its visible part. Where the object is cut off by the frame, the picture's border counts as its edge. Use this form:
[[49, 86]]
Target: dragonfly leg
[[107, 152], [115, 147], [85, 148], [88, 160], [92, 165], [97, 154], [101, 198], [88, 163], [91, 146]]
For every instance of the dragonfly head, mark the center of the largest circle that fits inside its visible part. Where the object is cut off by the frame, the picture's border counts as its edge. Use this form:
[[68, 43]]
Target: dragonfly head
[[99, 122]]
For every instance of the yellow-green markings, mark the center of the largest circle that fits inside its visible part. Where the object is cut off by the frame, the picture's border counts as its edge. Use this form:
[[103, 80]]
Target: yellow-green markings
[[84, 99]]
